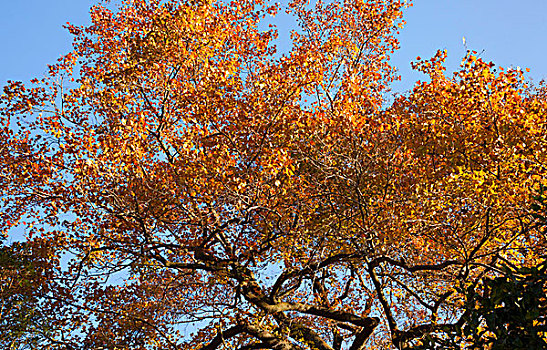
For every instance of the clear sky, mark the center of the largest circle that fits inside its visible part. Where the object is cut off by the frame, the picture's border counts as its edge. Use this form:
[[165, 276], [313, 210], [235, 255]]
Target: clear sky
[[508, 32]]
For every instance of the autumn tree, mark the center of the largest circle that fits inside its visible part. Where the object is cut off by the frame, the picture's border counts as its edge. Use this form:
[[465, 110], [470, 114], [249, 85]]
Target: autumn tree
[[190, 187], [506, 311]]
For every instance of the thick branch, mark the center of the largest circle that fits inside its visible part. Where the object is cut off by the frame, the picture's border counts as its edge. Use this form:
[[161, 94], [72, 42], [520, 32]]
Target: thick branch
[[402, 264], [252, 292], [222, 335], [270, 339], [300, 331], [312, 268]]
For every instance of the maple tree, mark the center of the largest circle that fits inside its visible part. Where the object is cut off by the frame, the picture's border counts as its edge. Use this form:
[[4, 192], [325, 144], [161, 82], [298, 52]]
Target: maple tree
[[183, 185]]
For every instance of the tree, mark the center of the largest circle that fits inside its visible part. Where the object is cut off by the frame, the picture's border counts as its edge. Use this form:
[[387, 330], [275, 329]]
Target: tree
[[509, 313], [503, 312], [26, 282], [198, 190]]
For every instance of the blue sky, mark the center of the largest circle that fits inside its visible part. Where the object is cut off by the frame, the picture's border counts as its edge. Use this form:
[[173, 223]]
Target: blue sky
[[508, 32]]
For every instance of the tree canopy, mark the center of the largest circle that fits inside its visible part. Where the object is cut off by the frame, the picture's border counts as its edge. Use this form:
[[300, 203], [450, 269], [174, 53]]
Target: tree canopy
[[184, 185]]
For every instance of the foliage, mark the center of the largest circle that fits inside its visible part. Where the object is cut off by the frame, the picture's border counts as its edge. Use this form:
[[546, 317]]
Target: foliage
[[513, 309], [505, 312], [25, 276], [508, 311], [205, 191]]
